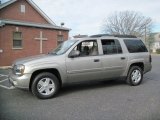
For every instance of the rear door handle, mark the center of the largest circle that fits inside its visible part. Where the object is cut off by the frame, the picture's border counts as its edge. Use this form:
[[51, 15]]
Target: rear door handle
[[96, 60], [123, 58]]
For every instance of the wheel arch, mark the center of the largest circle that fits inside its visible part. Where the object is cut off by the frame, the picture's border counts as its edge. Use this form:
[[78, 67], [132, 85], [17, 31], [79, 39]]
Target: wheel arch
[[50, 70], [139, 64]]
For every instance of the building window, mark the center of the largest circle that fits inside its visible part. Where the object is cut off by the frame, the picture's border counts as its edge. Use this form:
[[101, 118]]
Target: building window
[[22, 8], [59, 39], [17, 40]]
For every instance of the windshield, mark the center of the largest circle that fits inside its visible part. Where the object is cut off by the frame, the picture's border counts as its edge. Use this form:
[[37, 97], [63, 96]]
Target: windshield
[[63, 47]]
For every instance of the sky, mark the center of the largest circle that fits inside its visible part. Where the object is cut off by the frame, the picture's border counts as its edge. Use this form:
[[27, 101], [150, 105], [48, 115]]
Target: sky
[[87, 17]]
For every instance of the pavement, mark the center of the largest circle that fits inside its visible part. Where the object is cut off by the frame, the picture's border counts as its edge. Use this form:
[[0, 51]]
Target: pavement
[[4, 82], [112, 100]]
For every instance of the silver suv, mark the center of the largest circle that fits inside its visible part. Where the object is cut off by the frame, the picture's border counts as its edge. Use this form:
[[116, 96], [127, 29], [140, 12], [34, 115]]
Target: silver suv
[[98, 57]]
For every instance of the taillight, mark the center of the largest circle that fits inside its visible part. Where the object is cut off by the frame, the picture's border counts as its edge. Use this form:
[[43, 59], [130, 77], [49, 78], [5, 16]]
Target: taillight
[[150, 58]]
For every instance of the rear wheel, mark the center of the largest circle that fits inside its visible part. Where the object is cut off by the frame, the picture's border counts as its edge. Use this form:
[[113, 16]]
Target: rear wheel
[[45, 85], [135, 76]]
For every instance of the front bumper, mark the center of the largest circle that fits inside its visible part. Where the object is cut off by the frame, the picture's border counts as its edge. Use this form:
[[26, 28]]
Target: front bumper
[[20, 81]]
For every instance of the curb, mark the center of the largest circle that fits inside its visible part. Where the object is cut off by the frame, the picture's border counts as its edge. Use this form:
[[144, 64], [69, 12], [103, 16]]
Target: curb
[[156, 54], [5, 67]]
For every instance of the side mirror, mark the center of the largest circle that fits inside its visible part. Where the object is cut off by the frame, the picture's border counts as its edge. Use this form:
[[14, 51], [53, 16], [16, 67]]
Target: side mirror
[[74, 53]]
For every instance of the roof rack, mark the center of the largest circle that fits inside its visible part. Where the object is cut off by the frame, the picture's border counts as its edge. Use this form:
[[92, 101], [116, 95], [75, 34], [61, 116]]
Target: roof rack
[[120, 36], [100, 35]]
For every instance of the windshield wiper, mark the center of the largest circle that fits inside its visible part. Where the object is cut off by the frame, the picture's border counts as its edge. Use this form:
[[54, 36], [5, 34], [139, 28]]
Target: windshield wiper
[[52, 53]]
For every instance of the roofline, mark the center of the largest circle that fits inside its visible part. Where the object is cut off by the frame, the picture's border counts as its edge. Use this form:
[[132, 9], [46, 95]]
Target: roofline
[[7, 3], [40, 11], [31, 24], [34, 6]]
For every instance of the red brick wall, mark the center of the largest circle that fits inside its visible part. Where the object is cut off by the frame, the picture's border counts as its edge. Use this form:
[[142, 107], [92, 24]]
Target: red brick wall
[[30, 44], [13, 12]]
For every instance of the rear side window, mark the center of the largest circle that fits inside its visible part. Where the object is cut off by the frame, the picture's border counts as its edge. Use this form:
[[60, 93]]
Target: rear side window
[[135, 46], [111, 47]]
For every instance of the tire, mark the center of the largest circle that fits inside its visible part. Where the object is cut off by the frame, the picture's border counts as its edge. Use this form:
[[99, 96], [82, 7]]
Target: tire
[[45, 85], [135, 76]]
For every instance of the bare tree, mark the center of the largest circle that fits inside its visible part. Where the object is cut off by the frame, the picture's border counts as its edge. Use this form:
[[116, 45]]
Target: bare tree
[[128, 23]]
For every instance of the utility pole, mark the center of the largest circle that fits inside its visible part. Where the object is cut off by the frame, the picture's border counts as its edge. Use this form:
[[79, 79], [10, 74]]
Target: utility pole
[[145, 34]]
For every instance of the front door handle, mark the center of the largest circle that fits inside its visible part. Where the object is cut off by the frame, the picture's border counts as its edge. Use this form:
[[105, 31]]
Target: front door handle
[[96, 60], [123, 58]]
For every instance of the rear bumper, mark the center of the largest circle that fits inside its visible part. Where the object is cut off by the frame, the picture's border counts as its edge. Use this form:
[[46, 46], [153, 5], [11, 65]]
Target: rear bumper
[[148, 67]]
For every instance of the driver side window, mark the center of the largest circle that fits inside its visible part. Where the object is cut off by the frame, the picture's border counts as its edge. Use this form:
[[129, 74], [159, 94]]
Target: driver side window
[[87, 48]]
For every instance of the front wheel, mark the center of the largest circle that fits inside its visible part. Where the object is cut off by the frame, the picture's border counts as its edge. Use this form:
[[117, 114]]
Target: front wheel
[[135, 76], [45, 85]]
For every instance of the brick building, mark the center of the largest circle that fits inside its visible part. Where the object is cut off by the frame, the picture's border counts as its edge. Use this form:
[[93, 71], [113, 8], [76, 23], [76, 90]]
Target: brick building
[[25, 30]]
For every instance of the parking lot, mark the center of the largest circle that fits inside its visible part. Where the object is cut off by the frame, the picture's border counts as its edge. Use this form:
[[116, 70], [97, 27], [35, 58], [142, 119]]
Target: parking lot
[[112, 100]]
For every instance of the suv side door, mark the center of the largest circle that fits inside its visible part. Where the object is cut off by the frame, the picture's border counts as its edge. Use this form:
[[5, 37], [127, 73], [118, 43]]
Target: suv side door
[[86, 66], [114, 62]]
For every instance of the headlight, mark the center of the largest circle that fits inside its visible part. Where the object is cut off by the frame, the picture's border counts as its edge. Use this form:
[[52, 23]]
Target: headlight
[[18, 69]]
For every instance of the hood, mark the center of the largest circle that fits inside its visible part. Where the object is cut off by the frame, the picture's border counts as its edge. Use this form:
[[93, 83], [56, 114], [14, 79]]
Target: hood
[[36, 59]]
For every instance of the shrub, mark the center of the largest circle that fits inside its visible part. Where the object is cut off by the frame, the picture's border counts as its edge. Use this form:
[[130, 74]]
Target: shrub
[[158, 51]]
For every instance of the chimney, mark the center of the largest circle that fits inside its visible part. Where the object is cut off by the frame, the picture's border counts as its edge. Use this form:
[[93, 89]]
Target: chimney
[[62, 24]]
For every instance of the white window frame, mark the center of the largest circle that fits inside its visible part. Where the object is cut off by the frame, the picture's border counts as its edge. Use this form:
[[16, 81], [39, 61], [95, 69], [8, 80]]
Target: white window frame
[[19, 39], [23, 8], [59, 41]]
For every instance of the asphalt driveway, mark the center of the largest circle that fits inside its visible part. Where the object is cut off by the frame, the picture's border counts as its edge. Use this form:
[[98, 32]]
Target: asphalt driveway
[[113, 100]]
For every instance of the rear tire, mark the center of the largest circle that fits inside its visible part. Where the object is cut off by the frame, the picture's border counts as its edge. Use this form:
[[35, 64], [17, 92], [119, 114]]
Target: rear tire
[[135, 76], [45, 85]]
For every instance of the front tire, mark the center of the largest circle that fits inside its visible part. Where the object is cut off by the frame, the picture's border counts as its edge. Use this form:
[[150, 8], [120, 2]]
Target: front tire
[[45, 85], [135, 76]]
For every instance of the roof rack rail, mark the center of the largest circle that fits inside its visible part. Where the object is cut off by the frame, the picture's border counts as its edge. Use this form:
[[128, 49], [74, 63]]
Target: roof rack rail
[[120, 36], [125, 36], [100, 35]]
